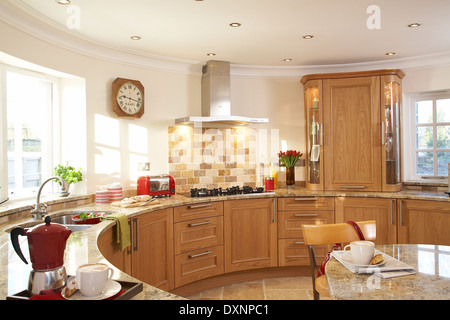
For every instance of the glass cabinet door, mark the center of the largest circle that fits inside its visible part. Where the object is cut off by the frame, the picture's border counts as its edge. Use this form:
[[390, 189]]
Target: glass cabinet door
[[314, 136], [390, 140]]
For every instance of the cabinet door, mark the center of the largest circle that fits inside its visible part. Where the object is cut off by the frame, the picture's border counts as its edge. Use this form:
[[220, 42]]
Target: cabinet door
[[352, 134], [152, 248], [110, 249], [250, 230], [426, 222], [361, 209]]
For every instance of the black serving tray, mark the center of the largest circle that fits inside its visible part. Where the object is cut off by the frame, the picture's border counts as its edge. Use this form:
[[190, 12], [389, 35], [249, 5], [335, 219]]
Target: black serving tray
[[130, 290]]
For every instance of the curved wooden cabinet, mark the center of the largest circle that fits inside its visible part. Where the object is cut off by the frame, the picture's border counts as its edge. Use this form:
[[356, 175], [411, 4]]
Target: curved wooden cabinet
[[150, 257]]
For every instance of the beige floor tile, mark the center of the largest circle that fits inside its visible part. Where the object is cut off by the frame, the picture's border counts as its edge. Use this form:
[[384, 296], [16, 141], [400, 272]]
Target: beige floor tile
[[289, 288], [287, 294], [244, 291], [288, 283]]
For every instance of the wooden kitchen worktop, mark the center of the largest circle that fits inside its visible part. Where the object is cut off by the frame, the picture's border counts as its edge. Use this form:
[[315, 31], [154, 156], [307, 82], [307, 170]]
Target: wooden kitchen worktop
[[82, 246]]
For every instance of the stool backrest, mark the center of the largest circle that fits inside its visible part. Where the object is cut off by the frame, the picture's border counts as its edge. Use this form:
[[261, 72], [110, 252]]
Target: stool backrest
[[337, 232]]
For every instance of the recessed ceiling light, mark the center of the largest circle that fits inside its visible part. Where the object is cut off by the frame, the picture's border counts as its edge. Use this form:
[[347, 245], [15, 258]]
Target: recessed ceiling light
[[135, 38], [287, 59], [414, 25], [63, 1], [235, 24], [390, 53], [211, 54], [308, 36]]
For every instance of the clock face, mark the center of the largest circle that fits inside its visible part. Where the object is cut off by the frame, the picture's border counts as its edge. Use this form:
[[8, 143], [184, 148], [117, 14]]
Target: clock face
[[129, 98]]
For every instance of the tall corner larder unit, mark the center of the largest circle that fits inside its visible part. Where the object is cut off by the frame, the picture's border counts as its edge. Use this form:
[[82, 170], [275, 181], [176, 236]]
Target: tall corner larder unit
[[353, 130]]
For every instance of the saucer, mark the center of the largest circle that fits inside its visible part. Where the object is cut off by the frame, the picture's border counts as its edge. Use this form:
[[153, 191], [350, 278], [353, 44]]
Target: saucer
[[347, 258], [111, 288]]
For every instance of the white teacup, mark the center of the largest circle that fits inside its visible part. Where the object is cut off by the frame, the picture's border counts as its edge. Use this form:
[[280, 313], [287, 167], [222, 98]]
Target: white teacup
[[362, 251], [91, 278]]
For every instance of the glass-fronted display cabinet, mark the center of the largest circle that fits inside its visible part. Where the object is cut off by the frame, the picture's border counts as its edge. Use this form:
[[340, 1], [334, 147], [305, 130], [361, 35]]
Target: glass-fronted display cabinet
[[314, 135], [390, 135]]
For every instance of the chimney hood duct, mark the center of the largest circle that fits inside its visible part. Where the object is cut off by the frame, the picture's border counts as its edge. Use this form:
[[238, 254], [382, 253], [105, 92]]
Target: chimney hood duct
[[216, 98]]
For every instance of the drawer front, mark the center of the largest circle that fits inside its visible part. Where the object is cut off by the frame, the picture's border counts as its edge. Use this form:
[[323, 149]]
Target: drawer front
[[197, 234], [293, 252], [306, 203], [290, 222], [198, 264], [198, 210]]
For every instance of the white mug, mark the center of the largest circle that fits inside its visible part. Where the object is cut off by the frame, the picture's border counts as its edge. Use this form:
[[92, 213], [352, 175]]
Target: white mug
[[362, 251], [91, 278]]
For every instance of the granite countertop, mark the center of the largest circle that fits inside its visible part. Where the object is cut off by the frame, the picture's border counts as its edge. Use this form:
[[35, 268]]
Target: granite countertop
[[82, 246], [431, 282]]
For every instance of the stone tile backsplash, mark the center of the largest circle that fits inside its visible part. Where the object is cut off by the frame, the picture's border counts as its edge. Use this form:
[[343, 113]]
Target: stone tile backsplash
[[212, 157]]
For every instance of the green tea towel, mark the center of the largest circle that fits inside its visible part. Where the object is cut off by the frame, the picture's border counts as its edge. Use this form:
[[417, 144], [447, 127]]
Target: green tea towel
[[123, 231]]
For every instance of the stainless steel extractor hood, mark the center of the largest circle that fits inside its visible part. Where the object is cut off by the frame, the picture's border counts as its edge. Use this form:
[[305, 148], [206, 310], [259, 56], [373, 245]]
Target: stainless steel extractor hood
[[216, 98]]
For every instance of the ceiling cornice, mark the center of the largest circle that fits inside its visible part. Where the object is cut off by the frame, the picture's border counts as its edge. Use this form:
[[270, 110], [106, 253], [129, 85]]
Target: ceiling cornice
[[24, 19]]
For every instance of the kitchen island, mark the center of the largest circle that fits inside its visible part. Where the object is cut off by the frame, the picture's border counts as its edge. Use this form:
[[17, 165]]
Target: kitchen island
[[82, 246]]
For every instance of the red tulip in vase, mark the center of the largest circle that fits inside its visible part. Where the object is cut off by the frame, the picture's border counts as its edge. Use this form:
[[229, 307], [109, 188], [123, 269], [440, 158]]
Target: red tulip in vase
[[289, 158]]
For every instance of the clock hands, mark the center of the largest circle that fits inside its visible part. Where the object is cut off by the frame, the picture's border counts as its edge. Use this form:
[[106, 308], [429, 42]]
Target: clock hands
[[124, 96]]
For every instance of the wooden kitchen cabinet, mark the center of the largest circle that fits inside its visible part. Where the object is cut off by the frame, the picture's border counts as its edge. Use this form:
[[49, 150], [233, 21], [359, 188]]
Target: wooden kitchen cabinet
[[250, 231], [383, 211], [292, 214], [152, 256], [353, 130], [198, 242], [424, 222], [110, 249]]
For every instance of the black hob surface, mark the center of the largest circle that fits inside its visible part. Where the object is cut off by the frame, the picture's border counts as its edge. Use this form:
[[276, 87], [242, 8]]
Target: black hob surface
[[204, 192]]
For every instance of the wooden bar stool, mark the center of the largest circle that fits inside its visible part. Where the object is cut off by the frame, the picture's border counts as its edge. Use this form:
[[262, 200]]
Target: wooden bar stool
[[320, 234]]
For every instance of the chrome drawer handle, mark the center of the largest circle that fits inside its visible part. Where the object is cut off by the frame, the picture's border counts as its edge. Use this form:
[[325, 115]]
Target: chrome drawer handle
[[306, 214], [306, 199], [199, 254], [199, 206], [299, 242], [198, 223], [352, 187]]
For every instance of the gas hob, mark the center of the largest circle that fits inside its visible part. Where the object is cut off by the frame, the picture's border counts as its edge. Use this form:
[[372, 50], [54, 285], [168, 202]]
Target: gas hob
[[204, 192]]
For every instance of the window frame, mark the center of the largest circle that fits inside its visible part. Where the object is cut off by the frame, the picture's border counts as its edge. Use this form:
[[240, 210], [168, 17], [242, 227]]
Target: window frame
[[53, 146], [410, 142]]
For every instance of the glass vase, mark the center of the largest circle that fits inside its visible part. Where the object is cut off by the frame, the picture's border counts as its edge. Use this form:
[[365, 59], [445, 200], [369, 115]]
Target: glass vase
[[290, 176]]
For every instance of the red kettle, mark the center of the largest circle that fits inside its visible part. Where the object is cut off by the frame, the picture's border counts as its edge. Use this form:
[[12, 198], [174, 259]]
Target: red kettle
[[46, 243]]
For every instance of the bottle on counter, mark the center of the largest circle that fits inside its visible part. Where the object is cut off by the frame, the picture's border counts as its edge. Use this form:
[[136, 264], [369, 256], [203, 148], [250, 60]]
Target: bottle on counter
[[274, 168]]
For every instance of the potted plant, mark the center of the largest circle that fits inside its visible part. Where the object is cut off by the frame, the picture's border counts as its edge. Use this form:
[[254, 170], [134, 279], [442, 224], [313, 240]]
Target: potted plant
[[69, 175], [289, 158]]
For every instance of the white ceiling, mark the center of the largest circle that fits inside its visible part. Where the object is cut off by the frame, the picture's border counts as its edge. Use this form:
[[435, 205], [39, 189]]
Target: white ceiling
[[271, 30]]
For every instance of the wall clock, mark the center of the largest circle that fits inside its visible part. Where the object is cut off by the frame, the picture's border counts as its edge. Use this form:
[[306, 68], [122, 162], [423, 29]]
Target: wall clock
[[127, 98]]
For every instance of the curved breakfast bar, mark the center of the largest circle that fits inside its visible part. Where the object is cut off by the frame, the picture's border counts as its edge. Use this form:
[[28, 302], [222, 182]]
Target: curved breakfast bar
[[82, 246]]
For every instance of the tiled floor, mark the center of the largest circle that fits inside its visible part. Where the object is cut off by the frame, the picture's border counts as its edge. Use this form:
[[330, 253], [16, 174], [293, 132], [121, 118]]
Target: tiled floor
[[291, 288]]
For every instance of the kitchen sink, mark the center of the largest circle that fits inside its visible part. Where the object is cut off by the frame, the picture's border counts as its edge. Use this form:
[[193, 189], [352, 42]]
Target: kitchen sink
[[66, 219]]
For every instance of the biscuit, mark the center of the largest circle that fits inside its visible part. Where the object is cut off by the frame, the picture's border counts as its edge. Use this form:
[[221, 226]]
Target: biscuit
[[377, 259]]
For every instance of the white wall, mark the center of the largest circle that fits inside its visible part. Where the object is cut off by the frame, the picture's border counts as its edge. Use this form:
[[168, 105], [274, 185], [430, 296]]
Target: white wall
[[109, 148]]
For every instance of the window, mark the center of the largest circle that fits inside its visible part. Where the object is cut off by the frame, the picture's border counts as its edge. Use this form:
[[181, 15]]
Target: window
[[431, 131], [29, 104]]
